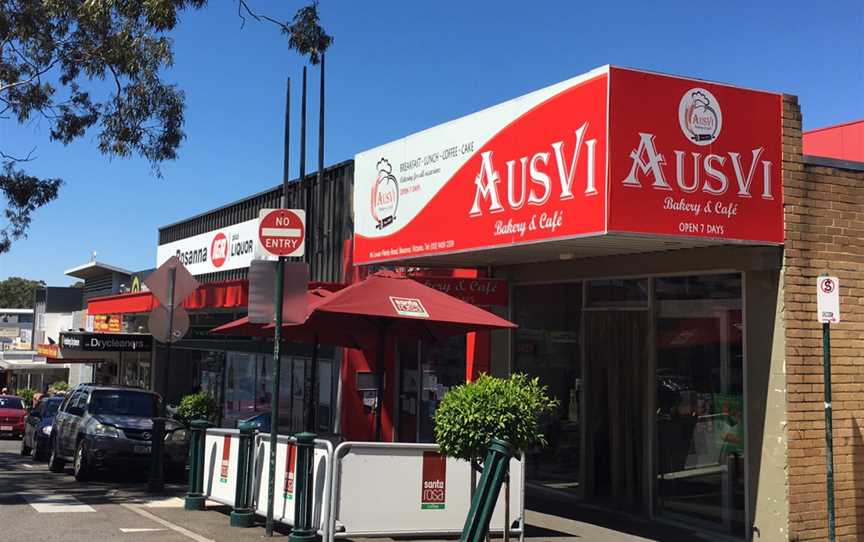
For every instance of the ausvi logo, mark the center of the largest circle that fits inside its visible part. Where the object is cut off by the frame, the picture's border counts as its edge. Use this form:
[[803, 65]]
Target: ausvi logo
[[700, 116]]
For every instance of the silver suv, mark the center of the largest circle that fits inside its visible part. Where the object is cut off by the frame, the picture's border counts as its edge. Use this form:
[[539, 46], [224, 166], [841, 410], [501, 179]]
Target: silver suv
[[107, 426]]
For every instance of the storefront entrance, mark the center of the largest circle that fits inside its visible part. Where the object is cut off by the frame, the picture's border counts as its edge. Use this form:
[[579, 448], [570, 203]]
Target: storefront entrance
[[649, 377]]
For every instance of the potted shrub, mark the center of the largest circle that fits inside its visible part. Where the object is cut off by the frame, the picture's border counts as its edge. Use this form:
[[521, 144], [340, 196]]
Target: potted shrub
[[509, 409], [196, 406]]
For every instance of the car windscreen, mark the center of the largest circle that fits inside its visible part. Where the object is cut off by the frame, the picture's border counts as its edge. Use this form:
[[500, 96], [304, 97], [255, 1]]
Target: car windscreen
[[123, 403], [51, 407], [11, 402]]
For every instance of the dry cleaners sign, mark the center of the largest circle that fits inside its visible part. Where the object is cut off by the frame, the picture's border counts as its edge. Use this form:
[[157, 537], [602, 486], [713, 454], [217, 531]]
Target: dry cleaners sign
[[106, 342], [223, 249]]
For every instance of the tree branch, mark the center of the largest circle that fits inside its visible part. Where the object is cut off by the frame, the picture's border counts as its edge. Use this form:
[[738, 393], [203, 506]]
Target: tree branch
[[243, 6], [10, 158]]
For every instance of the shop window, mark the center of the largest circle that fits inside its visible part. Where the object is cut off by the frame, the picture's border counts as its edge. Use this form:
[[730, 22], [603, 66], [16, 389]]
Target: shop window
[[547, 345], [617, 293], [426, 372], [700, 402], [240, 400]]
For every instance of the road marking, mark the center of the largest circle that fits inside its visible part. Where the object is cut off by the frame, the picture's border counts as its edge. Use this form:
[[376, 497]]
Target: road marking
[[168, 502], [166, 523], [53, 504], [144, 530]]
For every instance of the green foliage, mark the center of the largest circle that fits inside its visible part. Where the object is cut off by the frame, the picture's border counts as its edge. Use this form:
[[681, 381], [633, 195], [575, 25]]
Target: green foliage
[[17, 292], [306, 35], [472, 414], [54, 57], [27, 395], [197, 406], [60, 385]]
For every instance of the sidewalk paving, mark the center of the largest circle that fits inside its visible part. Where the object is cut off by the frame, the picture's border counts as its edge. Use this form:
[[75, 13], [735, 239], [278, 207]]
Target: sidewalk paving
[[212, 525]]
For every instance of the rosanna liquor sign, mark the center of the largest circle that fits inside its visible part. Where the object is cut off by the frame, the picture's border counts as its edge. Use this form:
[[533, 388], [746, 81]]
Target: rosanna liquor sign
[[614, 151]]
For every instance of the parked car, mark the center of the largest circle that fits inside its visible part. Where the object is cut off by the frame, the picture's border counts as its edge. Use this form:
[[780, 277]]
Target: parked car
[[260, 422], [37, 428], [104, 427], [12, 414]]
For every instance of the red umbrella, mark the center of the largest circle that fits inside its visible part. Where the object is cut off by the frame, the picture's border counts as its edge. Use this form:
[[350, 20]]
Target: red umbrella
[[388, 303], [242, 327]]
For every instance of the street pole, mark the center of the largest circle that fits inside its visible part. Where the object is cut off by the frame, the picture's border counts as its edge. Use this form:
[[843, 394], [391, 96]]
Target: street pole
[[829, 430], [277, 331]]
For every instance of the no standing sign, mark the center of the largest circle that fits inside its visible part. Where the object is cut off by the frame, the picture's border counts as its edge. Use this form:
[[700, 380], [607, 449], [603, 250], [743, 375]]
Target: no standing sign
[[282, 231], [828, 300]]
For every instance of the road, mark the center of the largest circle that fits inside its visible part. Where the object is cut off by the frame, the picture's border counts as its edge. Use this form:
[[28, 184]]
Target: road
[[36, 504]]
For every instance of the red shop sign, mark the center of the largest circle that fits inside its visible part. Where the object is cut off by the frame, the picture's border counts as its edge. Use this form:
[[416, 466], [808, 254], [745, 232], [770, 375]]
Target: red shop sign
[[481, 292], [612, 151]]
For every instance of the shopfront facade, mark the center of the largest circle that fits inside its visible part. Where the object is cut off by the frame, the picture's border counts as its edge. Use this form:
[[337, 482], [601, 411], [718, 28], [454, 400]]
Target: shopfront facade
[[661, 237]]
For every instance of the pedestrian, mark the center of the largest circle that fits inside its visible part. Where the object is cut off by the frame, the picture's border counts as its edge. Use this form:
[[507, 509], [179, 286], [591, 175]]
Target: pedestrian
[[38, 396]]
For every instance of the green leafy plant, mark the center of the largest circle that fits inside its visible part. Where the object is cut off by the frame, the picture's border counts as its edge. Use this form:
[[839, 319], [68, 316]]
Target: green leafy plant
[[27, 395], [60, 385], [472, 414], [196, 406]]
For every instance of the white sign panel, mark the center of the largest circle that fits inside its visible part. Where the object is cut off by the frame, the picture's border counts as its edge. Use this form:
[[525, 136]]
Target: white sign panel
[[828, 300], [231, 247]]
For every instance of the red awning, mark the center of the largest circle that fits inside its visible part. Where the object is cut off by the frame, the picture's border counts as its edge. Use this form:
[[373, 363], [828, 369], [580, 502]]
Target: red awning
[[214, 295]]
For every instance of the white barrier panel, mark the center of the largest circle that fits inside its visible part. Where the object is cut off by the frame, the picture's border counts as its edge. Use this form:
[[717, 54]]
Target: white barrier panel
[[401, 489], [221, 457], [285, 495]]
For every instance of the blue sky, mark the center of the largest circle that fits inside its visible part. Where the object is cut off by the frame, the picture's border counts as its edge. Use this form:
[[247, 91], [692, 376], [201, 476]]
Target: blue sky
[[398, 67]]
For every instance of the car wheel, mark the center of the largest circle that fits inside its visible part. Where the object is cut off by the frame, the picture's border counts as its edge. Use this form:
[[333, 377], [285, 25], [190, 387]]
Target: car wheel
[[55, 464], [25, 450], [40, 452], [82, 469]]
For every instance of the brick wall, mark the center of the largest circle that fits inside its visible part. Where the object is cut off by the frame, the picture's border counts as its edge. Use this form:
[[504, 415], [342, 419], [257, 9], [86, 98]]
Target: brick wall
[[824, 210]]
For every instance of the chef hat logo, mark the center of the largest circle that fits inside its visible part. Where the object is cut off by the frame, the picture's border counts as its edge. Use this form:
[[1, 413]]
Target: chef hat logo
[[700, 98], [384, 166]]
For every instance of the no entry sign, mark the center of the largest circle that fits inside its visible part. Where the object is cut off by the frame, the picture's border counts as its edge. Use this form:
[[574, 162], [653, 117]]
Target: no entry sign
[[282, 231]]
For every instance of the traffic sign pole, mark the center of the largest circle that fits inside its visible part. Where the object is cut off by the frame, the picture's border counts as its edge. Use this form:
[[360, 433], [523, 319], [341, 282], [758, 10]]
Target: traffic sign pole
[[277, 332], [828, 312], [829, 429]]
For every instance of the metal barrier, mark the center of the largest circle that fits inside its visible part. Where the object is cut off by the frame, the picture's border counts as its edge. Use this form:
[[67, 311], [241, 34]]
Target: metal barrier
[[221, 455], [404, 489], [285, 498]]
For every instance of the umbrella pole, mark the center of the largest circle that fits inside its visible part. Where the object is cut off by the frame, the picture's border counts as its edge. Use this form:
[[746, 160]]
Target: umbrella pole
[[313, 377]]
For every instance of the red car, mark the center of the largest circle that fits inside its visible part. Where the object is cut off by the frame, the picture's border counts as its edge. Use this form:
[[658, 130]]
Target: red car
[[12, 414]]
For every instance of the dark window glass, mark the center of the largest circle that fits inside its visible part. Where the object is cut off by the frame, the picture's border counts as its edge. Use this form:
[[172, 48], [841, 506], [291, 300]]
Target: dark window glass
[[700, 401], [617, 293], [50, 407], [547, 346], [123, 403], [11, 402]]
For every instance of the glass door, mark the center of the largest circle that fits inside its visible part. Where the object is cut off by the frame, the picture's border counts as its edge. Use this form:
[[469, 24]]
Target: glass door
[[700, 401]]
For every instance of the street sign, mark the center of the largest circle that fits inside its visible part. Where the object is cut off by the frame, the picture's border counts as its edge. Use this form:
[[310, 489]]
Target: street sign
[[282, 231], [159, 282], [262, 292], [828, 300], [165, 331], [171, 284]]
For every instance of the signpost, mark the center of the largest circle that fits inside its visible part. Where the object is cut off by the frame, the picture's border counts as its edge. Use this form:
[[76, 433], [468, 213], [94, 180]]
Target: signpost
[[828, 312]]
